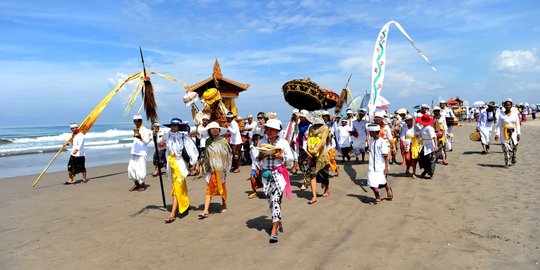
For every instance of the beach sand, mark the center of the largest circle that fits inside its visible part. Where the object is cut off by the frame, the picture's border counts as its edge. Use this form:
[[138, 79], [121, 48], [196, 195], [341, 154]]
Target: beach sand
[[474, 214]]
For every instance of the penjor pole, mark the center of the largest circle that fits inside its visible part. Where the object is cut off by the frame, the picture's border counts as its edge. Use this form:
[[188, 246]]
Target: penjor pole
[[379, 63], [154, 136]]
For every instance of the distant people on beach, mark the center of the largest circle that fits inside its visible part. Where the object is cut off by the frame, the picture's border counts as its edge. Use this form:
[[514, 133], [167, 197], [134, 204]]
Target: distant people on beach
[[76, 162], [137, 163]]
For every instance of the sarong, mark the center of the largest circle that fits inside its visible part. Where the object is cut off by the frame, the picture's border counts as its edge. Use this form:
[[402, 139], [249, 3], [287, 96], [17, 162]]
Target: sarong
[[333, 163], [159, 158], [509, 151], [256, 181], [236, 156], [485, 135], [274, 192], [215, 186], [322, 176], [376, 179], [407, 155], [427, 162], [76, 165], [179, 187], [137, 168]]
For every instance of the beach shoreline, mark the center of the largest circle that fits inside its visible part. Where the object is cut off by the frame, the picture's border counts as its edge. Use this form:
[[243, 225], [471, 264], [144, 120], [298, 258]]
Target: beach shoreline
[[474, 214]]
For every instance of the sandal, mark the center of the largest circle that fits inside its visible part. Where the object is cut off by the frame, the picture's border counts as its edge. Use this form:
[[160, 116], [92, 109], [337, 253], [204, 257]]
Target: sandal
[[326, 194], [203, 216], [391, 195], [273, 239], [85, 180], [142, 188], [252, 195], [312, 201], [377, 200], [69, 183]]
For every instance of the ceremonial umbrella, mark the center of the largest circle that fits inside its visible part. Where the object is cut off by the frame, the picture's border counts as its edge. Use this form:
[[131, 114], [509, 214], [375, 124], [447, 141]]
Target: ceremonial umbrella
[[479, 103]]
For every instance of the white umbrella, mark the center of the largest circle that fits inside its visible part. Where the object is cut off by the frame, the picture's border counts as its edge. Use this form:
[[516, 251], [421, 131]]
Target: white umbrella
[[479, 103], [382, 103]]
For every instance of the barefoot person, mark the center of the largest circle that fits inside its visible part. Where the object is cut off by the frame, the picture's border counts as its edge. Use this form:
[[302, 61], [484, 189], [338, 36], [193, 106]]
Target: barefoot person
[[76, 159], [137, 163], [216, 163], [509, 131], [176, 143], [378, 163], [275, 177]]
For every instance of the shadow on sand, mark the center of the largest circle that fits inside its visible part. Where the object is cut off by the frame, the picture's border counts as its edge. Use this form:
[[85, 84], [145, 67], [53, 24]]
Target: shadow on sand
[[151, 207], [262, 223], [491, 165]]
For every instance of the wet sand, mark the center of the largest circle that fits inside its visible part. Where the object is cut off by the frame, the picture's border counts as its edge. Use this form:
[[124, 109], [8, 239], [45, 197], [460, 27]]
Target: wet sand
[[474, 214]]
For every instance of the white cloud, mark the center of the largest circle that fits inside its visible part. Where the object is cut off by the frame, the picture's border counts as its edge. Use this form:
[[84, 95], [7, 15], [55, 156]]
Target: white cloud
[[517, 61]]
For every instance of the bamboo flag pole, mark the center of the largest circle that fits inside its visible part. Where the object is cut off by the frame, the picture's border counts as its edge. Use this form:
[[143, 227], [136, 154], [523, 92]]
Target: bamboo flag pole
[[154, 134], [91, 118], [48, 165]]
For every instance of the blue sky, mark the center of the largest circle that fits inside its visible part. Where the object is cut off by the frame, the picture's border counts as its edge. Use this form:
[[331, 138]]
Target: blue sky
[[60, 58]]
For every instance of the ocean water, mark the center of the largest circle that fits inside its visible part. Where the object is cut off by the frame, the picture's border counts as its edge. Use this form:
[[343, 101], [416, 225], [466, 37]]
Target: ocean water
[[27, 150]]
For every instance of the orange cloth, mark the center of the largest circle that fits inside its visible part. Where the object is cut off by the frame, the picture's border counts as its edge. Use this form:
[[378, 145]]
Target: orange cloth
[[215, 187], [333, 163]]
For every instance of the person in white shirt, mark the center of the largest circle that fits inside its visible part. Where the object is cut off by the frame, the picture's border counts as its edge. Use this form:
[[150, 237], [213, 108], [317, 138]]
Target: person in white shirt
[[235, 142], [331, 143], [409, 144], [428, 146], [350, 117], [249, 126], [159, 155], [448, 112], [484, 125], [76, 162], [259, 125], [137, 163], [255, 175], [177, 143], [289, 134], [509, 131], [343, 136], [441, 129], [359, 135], [378, 163]]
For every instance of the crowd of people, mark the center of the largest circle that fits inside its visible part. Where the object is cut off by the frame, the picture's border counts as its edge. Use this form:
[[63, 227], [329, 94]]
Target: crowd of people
[[309, 144]]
